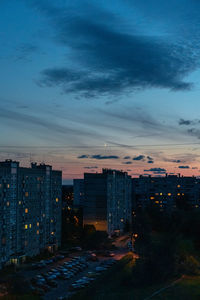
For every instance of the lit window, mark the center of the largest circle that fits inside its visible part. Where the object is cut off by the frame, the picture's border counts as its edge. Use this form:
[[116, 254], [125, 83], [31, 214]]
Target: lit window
[[43, 215], [26, 210], [157, 202], [8, 185], [178, 194], [20, 202], [26, 226], [122, 220], [182, 194], [169, 194], [178, 186], [51, 220], [29, 225], [152, 198], [160, 194], [156, 194], [8, 203], [57, 199], [52, 233], [26, 194], [38, 224], [38, 231]]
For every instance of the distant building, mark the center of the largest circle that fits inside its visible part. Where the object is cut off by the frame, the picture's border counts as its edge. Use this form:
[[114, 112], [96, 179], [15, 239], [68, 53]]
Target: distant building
[[78, 192], [67, 195], [30, 210], [166, 193], [107, 202]]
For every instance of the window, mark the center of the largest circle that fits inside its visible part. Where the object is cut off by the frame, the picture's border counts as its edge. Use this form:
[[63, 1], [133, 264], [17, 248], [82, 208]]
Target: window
[[8, 203], [20, 202], [26, 226], [29, 225], [26, 194], [38, 224], [57, 199], [26, 210], [38, 231], [169, 194]]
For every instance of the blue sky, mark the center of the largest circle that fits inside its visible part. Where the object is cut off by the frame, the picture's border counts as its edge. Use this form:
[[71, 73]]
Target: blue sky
[[85, 84]]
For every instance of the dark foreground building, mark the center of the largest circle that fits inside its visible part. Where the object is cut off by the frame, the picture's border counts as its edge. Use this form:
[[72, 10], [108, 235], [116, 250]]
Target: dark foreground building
[[107, 200], [30, 210]]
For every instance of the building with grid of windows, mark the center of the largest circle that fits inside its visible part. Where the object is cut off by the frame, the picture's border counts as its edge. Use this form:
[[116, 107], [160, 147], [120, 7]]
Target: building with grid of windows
[[107, 200], [30, 210], [166, 193]]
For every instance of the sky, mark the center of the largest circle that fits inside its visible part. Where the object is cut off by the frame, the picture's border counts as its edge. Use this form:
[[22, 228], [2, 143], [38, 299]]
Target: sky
[[86, 85]]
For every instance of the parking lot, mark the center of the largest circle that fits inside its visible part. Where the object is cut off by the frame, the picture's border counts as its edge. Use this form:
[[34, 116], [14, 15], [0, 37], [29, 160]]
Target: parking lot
[[59, 280]]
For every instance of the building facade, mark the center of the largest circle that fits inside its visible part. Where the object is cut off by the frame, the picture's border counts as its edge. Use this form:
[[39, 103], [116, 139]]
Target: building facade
[[107, 201], [78, 192], [166, 193], [30, 210]]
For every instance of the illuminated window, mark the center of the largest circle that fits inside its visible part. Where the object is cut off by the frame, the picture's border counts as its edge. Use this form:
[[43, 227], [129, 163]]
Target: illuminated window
[[26, 194], [52, 233], [160, 194], [178, 194], [29, 225], [156, 194], [8, 203], [157, 202], [178, 186], [8, 185], [20, 202], [57, 199], [38, 224], [182, 194], [26, 226], [43, 215], [26, 210], [169, 194], [122, 220], [152, 198], [51, 220], [38, 232]]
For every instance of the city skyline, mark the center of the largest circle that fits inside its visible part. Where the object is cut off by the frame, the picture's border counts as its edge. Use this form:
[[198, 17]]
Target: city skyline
[[86, 86]]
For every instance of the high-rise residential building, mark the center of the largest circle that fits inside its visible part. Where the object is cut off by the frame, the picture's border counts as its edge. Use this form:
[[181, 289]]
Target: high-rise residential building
[[30, 210], [166, 193], [78, 192], [107, 200]]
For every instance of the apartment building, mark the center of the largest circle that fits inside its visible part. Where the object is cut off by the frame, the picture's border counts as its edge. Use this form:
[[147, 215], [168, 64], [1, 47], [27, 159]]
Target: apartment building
[[30, 210], [107, 200], [166, 193]]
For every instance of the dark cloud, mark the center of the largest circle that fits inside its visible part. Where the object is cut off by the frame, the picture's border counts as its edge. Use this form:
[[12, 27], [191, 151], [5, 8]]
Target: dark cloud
[[83, 156], [91, 167], [194, 132], [194, 168], [183, 167], [108, 58], [150, 160], [176, 160], [98, 156], [185, 122], [139, 157], [156, 170], [127, 162], [127, 157]]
